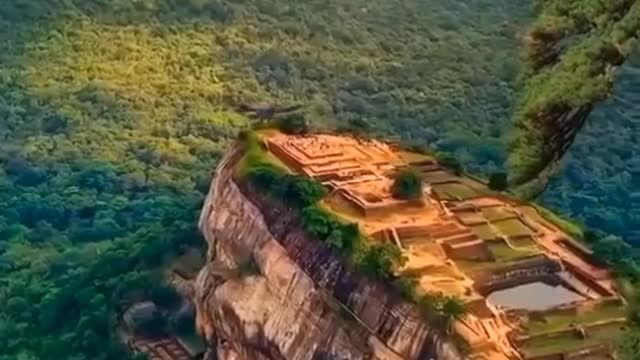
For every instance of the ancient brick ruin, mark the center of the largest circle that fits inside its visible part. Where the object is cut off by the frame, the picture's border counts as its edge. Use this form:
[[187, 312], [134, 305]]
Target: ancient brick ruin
[[462, 240]]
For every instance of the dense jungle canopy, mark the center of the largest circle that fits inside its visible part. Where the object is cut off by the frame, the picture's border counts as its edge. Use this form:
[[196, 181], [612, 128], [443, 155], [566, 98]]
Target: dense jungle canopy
[[573, 50], [113, 114]]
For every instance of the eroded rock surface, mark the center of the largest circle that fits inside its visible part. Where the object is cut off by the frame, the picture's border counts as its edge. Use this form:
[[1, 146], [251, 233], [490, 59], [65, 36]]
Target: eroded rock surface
[[303, 303]]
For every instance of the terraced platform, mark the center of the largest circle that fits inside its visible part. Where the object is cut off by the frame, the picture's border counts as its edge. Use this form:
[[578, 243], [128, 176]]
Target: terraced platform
[[461, 239]]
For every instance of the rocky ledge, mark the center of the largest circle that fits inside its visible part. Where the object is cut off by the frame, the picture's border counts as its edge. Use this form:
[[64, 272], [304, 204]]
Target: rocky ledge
[[298, 301]]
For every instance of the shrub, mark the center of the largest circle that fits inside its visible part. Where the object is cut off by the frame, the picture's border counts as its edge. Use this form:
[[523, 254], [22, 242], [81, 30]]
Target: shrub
[[407, 286], [498, 181], [327, 228], [316, 222], [450, 162], [407, 185], [307, 191], [451, 309], [264, 177], [379, 260], [293, 124]]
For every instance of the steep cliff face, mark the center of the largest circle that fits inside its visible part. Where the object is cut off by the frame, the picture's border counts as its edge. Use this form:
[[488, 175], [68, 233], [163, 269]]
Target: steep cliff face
[[304, 303]]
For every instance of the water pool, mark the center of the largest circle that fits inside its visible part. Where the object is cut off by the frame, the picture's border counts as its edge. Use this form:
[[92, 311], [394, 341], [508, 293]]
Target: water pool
[[533, 296]]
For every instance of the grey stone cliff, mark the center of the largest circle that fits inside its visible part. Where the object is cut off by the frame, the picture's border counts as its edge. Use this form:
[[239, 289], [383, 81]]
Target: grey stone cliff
[[303, 303]]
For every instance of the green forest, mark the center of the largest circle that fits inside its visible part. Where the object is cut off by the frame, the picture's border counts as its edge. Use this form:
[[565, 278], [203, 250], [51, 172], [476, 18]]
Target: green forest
[[113, 114]]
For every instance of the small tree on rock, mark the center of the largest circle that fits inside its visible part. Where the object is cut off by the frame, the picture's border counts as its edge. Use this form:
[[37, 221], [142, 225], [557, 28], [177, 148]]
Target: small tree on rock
[[407, 185]]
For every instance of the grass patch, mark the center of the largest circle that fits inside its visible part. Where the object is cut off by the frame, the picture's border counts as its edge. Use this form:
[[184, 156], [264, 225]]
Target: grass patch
[[437, 176], [454, 191], [556, 322], [566, 225], [255, 155], [470, 217], [413, 157], [503, 253], [496, 213], [543, 345], [484, 232], [557, 344], [523, 242], [512, 228], [472, 266]]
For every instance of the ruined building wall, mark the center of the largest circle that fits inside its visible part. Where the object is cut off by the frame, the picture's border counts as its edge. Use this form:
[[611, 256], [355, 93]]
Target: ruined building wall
[[304, 303]]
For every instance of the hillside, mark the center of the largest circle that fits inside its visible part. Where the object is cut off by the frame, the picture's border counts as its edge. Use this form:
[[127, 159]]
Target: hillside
[[114, 113], [599, 182]]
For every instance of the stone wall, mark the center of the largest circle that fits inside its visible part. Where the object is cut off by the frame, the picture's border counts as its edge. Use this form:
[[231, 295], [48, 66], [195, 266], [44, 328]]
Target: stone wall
[[538, 268], [304, 304]]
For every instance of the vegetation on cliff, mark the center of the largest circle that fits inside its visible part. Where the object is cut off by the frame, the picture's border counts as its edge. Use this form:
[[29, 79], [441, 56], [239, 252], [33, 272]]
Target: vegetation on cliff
[[573, 49], [301, 194]]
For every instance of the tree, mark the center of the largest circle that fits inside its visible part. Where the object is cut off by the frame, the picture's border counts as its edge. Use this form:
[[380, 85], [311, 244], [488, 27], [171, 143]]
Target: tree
[[293, 124], [380, 260], [498, 181], [611, 249], [264, 177], [307, 191], [449, 161], [407, 185]]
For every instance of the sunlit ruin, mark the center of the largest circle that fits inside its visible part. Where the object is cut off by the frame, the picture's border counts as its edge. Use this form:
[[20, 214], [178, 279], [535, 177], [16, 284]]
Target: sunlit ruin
[[530, 290]]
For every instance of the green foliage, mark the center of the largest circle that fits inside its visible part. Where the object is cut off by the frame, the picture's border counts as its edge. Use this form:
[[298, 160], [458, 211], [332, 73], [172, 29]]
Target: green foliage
[[326, 227], [449, 161], [452, 309], [573, 48], [304, 194], [629, 347], [620, 255], [304, 191], [293, 124], [567, 225], [598, 185], [294, 190], [379, 260], [498, 181], [407, 185], [440, 310]]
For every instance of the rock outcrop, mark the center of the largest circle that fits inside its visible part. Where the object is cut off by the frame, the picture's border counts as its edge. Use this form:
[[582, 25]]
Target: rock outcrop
[[303, 302]]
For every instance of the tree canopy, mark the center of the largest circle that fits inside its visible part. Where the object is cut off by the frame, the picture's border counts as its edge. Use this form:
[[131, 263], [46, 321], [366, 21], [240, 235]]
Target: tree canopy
[[407, 185], [573, 50]]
